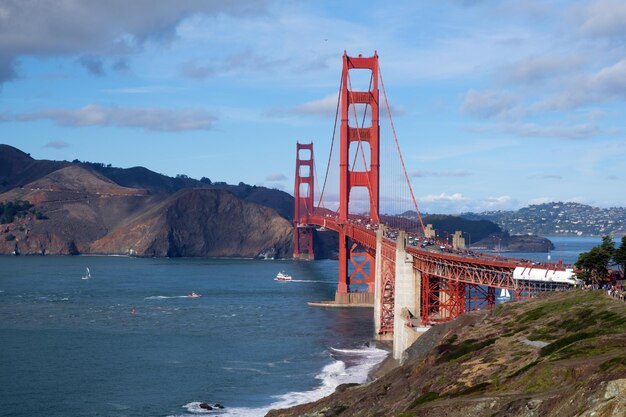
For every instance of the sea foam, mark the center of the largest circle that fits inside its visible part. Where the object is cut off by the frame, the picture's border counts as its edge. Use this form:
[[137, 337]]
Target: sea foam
[[361, 361]]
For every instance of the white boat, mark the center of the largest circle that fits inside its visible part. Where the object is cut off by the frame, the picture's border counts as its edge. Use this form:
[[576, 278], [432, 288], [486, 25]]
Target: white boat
[[194, 295], [87, 274], [281, 276], [504, 294]]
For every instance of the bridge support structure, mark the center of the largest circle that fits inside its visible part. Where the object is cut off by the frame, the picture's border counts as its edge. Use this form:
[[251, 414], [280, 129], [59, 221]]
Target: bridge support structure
[[355, 137], [303, 202]]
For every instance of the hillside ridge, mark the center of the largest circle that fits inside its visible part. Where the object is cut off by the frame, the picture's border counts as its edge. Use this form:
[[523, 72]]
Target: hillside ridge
[[78, 209]]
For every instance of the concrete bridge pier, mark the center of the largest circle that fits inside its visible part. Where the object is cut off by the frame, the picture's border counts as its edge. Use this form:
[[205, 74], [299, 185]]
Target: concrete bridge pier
[[407, 310], [406, 294]]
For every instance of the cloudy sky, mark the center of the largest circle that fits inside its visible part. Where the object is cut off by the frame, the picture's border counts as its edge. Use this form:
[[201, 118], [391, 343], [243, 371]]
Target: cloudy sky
[[496, 104]]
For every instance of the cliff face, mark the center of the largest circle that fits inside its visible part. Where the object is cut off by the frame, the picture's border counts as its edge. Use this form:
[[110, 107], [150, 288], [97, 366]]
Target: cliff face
[[202, 222], [559, 355]]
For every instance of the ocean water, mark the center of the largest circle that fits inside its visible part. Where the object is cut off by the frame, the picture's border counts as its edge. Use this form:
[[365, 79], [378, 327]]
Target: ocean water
[[129, 342]]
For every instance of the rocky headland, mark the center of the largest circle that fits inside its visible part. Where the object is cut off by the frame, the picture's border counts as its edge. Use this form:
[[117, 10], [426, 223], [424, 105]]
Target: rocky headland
[[78, 209], [558, 355], [503, 242]]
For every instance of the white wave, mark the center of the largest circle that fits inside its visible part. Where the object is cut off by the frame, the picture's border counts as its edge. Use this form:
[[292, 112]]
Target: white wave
[[331, 376], [194, 407], [311, 280]]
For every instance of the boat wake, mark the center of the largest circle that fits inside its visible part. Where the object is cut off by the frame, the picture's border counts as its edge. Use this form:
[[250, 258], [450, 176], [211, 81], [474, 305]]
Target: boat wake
[[165, 297]]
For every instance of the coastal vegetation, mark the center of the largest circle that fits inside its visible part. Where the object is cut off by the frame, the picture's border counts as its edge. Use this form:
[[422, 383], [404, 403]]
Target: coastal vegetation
[[11, 209], [594, 265], [556, 355]]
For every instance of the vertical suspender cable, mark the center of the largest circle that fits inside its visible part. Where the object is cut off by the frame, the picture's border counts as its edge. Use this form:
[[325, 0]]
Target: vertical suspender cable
[[332, 143], [393, 129]]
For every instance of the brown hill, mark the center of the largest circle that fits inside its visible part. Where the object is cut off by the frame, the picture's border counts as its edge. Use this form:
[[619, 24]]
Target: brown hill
[[559, 355], [76, 179], [84, 207], [73, 208], [18, 168], [202, 222], [78, 210], [140, 177]]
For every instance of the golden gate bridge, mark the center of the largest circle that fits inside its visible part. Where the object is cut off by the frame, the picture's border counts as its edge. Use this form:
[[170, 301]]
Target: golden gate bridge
[[412, 279]]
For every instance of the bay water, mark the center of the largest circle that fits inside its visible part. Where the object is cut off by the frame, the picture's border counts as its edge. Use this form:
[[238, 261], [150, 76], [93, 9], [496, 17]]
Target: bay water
[[130, 342]]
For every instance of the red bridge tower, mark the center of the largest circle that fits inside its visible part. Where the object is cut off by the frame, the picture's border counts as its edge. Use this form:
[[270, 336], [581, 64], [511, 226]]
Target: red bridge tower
[[349, 178], [303, 195]]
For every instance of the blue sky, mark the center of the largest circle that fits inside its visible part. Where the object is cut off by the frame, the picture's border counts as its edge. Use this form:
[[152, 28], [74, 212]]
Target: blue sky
[[496, 104]]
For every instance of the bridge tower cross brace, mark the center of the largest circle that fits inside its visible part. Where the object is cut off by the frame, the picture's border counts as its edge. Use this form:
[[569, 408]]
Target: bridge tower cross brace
[[348, 177], [303, 203]]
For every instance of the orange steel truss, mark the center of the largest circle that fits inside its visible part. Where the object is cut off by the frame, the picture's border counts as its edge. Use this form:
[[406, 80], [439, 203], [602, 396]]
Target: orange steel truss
[[444, 299]]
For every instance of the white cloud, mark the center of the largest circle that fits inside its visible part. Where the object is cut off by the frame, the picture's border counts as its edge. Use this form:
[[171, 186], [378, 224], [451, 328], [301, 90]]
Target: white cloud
[[113, 28], [580, 131], [451, 173], [604, 18], [612, 79], [546, 176], [325, 106], [155, 119], [57, 144], [540, 200], [503, 199], [431, 198], [536, 69], [488, 103], [275, 177]]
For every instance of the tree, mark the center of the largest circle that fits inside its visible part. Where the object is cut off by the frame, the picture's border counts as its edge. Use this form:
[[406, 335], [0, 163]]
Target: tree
[[594, 265], [608, 245], [619, 255]]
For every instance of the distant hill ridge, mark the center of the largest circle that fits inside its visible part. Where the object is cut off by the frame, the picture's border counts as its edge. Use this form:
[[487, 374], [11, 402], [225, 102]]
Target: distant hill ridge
[[558, 218], [92, 208]]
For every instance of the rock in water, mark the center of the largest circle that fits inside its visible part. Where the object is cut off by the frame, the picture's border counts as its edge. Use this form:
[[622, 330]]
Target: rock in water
[[205, 406]]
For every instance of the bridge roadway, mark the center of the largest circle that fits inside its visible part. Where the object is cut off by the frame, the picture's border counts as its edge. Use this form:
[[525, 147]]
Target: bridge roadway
[[463, 266]]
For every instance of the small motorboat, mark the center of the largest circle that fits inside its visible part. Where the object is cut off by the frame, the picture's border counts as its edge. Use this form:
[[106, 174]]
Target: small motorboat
[[281, 276], [194, 295]]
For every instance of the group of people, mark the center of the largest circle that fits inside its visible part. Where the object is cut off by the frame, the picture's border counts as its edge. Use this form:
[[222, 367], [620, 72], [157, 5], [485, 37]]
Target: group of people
[[616, 292]]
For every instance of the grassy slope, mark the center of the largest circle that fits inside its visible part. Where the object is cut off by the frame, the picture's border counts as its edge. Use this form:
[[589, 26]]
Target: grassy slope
[[547, 356]]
